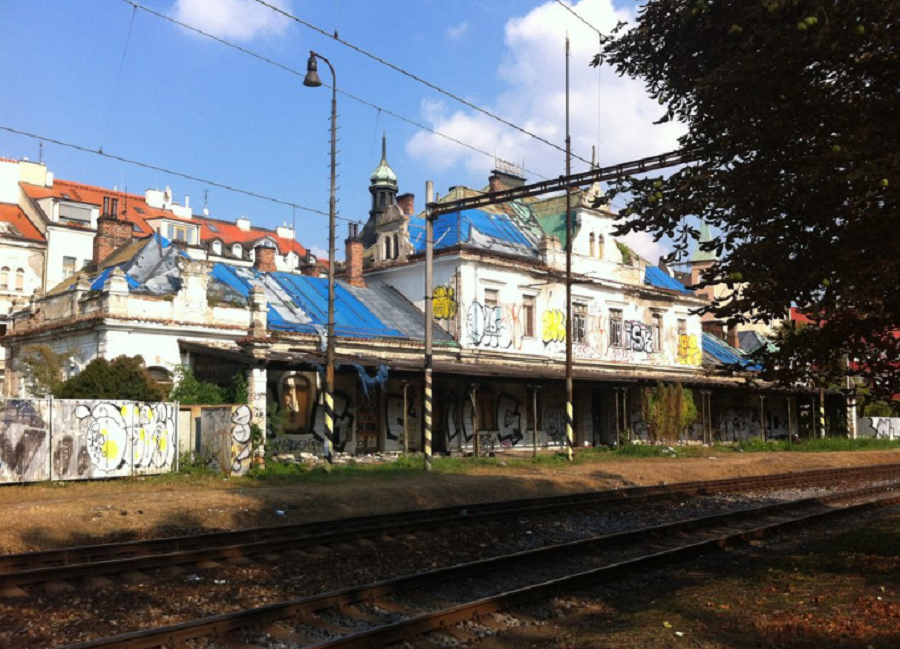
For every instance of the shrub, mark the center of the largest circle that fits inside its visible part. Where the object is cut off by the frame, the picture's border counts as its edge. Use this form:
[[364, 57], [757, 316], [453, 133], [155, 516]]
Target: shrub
[[124, 377]]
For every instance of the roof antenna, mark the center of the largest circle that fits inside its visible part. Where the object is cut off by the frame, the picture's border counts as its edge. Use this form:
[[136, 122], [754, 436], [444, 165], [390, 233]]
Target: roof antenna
[[205, 202], [40, 153]]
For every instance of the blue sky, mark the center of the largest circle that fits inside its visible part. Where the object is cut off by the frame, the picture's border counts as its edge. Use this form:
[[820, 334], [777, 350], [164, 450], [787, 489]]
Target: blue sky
[[182, 101]]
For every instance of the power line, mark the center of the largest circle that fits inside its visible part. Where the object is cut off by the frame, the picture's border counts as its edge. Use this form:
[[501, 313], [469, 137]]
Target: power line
[[172, 172], [300, 74], [572, 11], [414, 77], [112, 99]]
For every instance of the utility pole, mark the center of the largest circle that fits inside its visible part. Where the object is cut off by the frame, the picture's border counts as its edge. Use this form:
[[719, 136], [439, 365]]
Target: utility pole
[[429, 315], [570, 432]]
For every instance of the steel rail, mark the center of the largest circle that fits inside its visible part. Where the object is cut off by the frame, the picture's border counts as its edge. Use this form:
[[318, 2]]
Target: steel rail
[[73, 563], [563, 183], [305, 609]]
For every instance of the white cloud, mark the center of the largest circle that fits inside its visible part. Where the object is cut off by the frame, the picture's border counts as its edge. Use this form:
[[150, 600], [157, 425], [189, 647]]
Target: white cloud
[[457, 32], [320, 253], [607, 111], [241, 20]]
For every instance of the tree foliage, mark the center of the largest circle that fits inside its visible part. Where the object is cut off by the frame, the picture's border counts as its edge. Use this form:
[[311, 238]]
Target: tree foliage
[[42, 369], [189, 390], [668, 409], [791, 113], [124, 377]]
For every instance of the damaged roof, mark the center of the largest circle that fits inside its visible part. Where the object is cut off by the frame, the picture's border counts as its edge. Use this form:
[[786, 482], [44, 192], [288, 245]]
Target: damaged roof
[[718, 353]]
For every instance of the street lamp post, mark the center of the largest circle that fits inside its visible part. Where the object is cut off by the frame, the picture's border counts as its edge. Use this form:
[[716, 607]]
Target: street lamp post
[[312, 80]]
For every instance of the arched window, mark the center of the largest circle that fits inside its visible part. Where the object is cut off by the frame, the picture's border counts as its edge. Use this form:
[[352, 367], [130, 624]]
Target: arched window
[[593, 245], [20, 280], [237, 251], [387, 247], [4, 278], [396, 246], [600, 243], [217, 247], [161, 375], [296, 403]]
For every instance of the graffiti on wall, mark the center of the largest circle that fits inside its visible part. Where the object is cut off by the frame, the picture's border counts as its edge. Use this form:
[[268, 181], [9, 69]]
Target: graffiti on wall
[[444, 304], [43, 439], [487, 327], [553, 326], [394, 418], [555, 423], [24, 441], [509, 420], [689, 352], [241, 440], [879, 427], [639, 336]]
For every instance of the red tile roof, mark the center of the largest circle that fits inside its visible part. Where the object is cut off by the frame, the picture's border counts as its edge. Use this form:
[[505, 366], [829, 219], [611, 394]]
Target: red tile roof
[[228, 232], [14, 215]]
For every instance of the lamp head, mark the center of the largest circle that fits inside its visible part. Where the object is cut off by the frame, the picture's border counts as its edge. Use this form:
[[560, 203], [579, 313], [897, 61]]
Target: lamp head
[[312, 79]]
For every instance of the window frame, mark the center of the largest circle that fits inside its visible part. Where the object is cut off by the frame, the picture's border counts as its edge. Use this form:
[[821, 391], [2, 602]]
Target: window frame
[[616, 328], [528, 311]]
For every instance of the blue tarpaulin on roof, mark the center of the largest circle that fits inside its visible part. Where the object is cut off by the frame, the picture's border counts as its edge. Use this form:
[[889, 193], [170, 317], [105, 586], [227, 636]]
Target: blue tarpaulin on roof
[[351, 316], [657, 277], [453, 229], [310, 296], [726, 354], [98, 282]]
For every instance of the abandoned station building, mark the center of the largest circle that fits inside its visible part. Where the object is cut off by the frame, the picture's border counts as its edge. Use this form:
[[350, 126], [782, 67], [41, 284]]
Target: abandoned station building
[[147, 275]]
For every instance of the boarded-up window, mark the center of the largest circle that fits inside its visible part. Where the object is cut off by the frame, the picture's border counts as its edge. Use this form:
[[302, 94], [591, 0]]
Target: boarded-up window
[[296, 404], [615, 328], [528, 315], [20, 280]]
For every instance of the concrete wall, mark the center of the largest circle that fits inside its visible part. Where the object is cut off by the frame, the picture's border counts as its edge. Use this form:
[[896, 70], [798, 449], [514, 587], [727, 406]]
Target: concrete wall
[[57, 439], [879, 427]]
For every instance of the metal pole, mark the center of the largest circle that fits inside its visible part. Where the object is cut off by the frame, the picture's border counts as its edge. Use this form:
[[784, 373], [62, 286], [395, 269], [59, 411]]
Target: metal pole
[[405, 418], [570, 432], [534, 412], [476, 441], [762, 417], [851, 402], [618, 425], [822, 412], [790, 409], [429, 318], [329, 371]]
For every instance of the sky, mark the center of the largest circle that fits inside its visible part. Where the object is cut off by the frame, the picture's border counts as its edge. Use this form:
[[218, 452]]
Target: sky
[[103, 75]]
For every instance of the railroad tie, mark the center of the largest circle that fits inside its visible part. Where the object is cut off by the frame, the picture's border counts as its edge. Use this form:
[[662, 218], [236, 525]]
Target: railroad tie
[[282, 633]]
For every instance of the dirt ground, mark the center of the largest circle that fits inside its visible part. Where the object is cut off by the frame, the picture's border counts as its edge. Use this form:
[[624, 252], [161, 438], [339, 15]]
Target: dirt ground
[[44, 516]]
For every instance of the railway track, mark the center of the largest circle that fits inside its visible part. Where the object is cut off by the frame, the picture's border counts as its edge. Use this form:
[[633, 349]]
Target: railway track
[[425, 609], [59, 569]]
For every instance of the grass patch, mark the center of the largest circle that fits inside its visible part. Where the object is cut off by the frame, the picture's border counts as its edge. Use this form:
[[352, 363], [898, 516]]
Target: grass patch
[[826, 445]]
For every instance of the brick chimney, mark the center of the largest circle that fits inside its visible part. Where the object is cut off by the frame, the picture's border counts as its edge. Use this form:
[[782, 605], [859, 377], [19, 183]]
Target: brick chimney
[[733, 339], [309, 266], [112, 232], [407, 203], [353, 265], [264, 261]]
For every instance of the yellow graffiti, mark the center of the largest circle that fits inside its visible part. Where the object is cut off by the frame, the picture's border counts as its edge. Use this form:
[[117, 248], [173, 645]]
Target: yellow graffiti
[[110, 449], [554, 329], [444, 303], [124, 411], [688, 351]]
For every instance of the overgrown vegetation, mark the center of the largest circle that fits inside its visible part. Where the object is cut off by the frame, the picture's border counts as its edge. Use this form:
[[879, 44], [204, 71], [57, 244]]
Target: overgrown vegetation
[[42, 369], [668, 410], [124, 377], [189, 390]]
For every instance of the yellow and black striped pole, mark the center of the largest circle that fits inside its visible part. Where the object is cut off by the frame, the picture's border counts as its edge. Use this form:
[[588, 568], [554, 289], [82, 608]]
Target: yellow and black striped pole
[[329, 427], [429, 317], [570, 430]]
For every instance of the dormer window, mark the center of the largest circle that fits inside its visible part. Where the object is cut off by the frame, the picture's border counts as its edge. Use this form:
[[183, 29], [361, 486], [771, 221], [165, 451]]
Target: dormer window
[[180, 232], [217, 247], [237, 250], [74, 214]]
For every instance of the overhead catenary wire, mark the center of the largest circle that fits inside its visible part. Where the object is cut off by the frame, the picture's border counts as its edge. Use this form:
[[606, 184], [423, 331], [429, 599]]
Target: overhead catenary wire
[[165, 170], [414, 77], [295, 72], [115, 92], [578, 16]]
